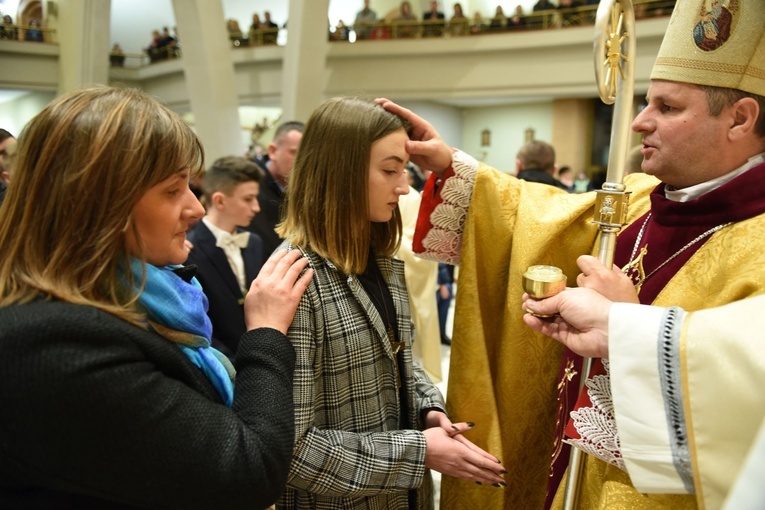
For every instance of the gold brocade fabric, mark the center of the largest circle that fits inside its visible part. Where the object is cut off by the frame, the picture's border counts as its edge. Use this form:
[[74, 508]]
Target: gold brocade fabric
[[608, 487], [503, 376]]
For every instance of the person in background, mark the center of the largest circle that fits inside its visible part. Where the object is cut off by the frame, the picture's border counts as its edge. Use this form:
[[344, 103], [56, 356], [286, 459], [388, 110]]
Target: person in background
[[581, 183], [458, 24], [434, 21], [543, 5], [8, 30], [270, 29], [118, 401], [7, 140], [535, 162], [444, 296], [33, 33], [368, 421], [499, 22], [517, 20], [405, 22], [7, 151], [478, 26], [281, 156], [227, 258], [117, 56], [365, 18], [566, 178]]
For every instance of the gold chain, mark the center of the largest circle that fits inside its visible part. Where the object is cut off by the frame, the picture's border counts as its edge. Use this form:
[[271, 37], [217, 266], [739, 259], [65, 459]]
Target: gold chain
[[635, 266]]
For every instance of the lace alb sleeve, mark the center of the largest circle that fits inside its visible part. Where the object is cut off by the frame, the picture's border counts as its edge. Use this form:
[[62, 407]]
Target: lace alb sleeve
[[443, 241]]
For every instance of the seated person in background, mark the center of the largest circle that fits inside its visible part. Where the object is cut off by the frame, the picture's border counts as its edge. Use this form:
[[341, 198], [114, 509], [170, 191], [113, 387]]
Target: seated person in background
[[478, 25], [499, 21], [405, 23], [234, 32], [117, 56], [365, 18], [255, 35], [34, 33], [169, 43], [227, 257], [153, 50], [103, 332], [458, 24], [544, 5], [434, 21], [270, 29], [517, 20], [8, 30]]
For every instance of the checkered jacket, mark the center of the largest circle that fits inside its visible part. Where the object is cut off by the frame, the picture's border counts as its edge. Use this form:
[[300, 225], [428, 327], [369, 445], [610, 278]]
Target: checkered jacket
[[350, 449]]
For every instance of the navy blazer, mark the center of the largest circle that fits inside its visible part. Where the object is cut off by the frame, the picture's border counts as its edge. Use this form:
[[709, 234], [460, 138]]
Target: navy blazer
[[219, 283], [270, 199]]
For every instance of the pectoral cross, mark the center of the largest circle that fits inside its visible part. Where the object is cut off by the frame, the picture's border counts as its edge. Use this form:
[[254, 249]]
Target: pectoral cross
[[634, 269]]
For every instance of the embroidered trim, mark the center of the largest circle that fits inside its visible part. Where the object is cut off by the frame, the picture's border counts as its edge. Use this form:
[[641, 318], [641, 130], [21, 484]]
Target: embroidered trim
[[670, 375], [596, 425], [444, 241]]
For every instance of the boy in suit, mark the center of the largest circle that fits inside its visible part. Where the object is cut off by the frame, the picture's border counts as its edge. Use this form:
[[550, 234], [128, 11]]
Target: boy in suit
[[227, 257]]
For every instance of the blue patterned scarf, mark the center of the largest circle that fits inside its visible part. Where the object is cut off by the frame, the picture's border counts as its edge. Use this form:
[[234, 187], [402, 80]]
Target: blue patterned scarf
[[177, 310]]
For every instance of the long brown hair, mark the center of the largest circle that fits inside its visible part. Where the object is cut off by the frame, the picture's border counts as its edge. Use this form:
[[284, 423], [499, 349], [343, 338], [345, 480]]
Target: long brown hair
[[82, 165], [327, 203]]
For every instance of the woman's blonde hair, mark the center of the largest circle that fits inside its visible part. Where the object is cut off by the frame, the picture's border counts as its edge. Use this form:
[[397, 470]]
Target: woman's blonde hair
[[327, 202], [82, 165]]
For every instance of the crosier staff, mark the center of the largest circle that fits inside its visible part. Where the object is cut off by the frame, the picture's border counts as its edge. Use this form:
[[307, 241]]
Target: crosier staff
[[615, 77]]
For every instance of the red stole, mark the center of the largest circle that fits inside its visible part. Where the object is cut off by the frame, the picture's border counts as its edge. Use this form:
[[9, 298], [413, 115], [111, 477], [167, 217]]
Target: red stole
[[671, 226]]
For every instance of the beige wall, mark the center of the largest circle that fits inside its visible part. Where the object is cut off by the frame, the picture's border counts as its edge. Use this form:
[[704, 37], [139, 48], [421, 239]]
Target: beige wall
[[508, 125], [16, 113], [572, 132]]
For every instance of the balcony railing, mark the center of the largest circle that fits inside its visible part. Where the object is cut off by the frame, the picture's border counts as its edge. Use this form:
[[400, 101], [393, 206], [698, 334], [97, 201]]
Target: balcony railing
[[28, 33], [539, 20], [262, 37]]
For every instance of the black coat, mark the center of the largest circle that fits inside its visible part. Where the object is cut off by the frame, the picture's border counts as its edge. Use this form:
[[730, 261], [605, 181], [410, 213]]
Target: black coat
[[100, 414], [226, 300], [535, 175], [270, 199]]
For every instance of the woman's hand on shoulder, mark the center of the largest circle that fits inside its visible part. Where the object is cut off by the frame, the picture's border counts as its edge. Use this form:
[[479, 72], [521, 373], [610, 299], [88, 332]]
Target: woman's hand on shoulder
[[274, 295]]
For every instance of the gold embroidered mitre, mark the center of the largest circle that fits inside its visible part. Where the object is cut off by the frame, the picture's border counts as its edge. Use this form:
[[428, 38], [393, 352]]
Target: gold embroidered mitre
[[715, 42]]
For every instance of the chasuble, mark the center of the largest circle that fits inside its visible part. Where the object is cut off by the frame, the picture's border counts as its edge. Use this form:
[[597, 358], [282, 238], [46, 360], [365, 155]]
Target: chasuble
[[504, 377]]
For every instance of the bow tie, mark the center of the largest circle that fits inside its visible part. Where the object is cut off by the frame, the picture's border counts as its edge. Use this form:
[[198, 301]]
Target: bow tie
[[240, 240]]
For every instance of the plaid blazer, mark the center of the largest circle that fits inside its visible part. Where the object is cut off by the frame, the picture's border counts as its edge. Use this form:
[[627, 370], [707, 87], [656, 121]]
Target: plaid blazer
[[350, 449]]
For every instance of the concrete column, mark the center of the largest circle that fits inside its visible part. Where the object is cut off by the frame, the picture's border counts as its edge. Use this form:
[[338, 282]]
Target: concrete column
[[82, 30], [209, 74], [305, 58]]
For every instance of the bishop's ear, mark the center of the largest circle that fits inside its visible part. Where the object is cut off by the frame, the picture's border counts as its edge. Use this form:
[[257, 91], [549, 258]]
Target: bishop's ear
[[745, 113]]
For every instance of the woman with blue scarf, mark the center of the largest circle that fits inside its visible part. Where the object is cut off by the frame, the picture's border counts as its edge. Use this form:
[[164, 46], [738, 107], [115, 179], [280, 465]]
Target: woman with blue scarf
[[111, 395]]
